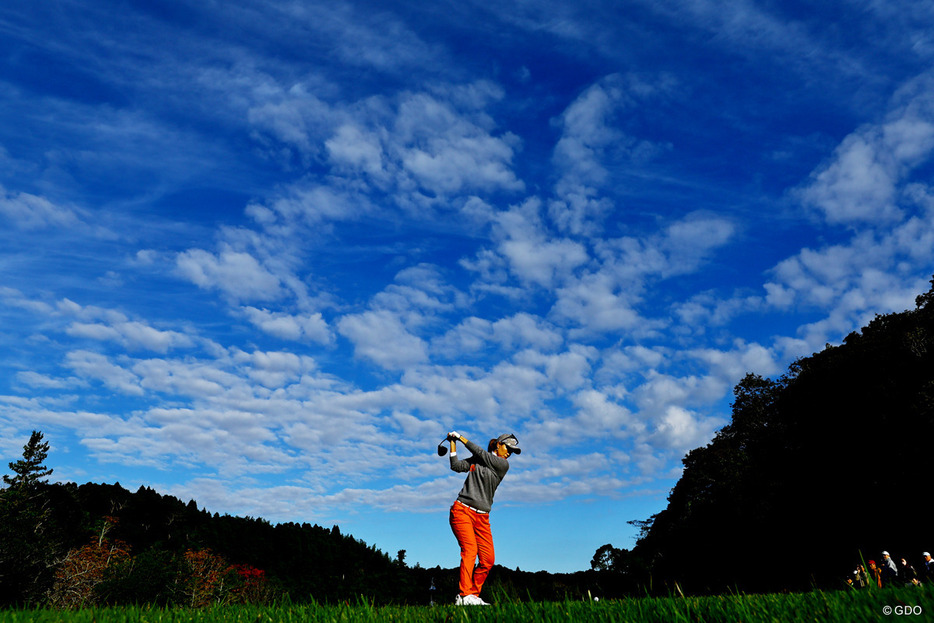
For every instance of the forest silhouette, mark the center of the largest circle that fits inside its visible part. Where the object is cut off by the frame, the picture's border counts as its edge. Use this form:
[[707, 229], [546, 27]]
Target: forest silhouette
[[817, 471]]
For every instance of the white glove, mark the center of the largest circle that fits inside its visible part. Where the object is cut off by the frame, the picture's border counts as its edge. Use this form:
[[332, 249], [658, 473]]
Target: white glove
[[454, 436]]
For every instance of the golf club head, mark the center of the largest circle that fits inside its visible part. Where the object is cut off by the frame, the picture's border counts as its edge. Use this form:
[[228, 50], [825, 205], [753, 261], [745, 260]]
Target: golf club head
[[442, 449]]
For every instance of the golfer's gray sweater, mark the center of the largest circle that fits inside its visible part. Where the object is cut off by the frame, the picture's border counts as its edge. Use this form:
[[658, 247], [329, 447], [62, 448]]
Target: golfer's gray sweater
[[485, 472]]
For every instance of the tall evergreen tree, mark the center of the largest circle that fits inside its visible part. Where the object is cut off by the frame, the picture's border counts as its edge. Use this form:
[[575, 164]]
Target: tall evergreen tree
[[28, 538], [29, 471]]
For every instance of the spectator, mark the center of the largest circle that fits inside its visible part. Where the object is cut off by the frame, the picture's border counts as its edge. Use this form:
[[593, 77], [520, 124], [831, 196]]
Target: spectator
[[889, 570], [875, 573], [907, 574], [927, 567], [859, 579]]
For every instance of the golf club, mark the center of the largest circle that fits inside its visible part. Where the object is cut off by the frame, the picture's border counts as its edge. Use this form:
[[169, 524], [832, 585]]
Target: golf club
[[442, 448]]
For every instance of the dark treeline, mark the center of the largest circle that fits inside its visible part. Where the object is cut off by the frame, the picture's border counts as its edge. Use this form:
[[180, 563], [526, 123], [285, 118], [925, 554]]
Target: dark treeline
[[145, 547], [818, 470], [66, 545]]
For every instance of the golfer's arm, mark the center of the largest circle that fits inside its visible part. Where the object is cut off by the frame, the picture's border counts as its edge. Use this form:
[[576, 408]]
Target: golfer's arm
[[457, 464], [461, 439]]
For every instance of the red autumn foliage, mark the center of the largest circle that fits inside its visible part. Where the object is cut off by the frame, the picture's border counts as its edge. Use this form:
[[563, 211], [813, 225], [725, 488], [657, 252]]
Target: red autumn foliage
[[83, 569], [210, 579]]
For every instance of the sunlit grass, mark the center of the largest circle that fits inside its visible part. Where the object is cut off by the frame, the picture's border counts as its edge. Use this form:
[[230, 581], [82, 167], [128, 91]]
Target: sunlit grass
[[910, 603]]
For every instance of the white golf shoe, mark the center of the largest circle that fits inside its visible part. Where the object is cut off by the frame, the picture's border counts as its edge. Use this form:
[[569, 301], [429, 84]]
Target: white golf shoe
[[473, 600]]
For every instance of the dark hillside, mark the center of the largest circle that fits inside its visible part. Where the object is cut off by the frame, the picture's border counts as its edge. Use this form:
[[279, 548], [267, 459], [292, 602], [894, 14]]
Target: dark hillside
[[305, 562], [308, 561], [149, 540], [830, 462]]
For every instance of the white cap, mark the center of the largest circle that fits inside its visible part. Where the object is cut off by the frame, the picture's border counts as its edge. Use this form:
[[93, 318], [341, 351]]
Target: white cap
[[509, 440], [885, 553], [926, 554]]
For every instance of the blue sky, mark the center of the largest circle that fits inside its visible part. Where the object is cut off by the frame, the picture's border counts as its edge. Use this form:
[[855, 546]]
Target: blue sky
[[264, 255]]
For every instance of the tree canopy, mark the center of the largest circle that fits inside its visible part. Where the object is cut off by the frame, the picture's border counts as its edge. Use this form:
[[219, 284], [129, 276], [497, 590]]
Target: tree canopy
[[816, 469]]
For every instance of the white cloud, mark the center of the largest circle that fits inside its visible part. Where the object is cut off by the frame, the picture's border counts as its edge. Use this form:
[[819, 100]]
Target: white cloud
[[587, 132], [531, 255], [681, 430], [193, 380], [132, 335], [237, 274], [660, 391], [231, 442], [568, 370], [680, 248], [687, 243], [860, 182], [590, 142], [97, 367], [308, 326], [598, 303], [371, 38], [485, 396], [274, 369], [579, 154], [14, 298], [423, 146], [414, 427], [579, 210], [448, 152], [293, 117], [606, 299], [541, 261], [350, 146], [383, 339], [41, 381], [30, 212], [97, 323], [744, 358], [473, 335], [597, 415], [620, 362], [524, 329], [469, 337], [309, 205], [707, 310], [869, 274], [874, 292], [418, 291]]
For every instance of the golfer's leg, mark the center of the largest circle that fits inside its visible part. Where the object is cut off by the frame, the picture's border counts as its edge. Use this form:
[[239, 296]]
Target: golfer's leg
[[484, 537], [463, 528]]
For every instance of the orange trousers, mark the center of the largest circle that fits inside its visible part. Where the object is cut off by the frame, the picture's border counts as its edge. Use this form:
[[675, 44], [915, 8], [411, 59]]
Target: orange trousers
[[472, 530]]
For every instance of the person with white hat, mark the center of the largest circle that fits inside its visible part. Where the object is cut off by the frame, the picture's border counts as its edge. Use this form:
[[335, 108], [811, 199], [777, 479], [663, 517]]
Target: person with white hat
[[470, 513], [889, 570]]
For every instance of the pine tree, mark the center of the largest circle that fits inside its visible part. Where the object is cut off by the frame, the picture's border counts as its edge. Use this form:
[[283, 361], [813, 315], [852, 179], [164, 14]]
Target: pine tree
[[29, 471], [28, 540]]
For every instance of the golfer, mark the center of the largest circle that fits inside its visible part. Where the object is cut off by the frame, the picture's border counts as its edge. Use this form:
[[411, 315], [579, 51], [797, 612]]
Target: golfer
[[470, 513]]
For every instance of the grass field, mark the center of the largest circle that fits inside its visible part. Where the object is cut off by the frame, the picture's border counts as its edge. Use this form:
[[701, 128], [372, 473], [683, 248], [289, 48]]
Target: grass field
[[903, 604]]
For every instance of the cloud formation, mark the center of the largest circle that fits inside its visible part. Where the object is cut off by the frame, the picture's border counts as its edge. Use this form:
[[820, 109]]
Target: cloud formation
[[268, 266]]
